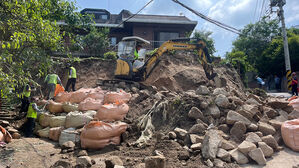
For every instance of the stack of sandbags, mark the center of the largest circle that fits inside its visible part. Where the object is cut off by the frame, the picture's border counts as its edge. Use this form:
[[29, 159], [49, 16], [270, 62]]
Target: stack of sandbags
[[68, 107], [98, 134], [90, 104], [54, 133], [79, 95], [55, 107], [112, 112], [77, 119], [113, 97], [63, 97]]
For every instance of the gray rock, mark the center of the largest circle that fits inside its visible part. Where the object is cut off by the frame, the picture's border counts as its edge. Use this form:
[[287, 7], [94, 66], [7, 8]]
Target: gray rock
[[214, 111], [252, 101], [277, 103], [293, 115], [196, 138], [82, 153], [266, 129], [258, 156], [224, 128], [238, 130], [155, 161], [222, 101], [172, 135], [253, 137], [236, 100], [84, 160], [204, 105], [68, 145], [63, 163], [276, 124], [202, 90], [197, 129], [209, 163], [183, 155], [233, 117], [246, 147], [195, 113], [267, 150], [238, 156], [270, 112], [180, 133], [259, 133], [219, 91], [227, 145], [211, 142], [252, 127], [112, 161], [224, 155], [248, 111], [218, 163], [269, 140], [196, 146]]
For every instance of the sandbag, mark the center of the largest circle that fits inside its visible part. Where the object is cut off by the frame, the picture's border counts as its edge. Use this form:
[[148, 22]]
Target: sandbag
[[294, 102], [112, 112], [101, 130], [4, 135], [113, 97], [55, 107], [44, 133], [76, 119], [54, 133], [79, 95], [57, 121], [68, 107], [97, 93], [1, 137], [90, 104], [290, 134], [63, 97], [44, 119], [98, 144], [58, 89], [69, 134]]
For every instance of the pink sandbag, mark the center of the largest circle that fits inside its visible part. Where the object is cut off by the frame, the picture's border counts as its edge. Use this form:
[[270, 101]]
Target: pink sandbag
[[294, 103], [290, 134], [98, 144], [79, 95], [1, 137], [113, 97], [54, 133], [97, 93], [55, 107], [101, 130], [4, 135], [90, 104], [112, 112], [63, 97]]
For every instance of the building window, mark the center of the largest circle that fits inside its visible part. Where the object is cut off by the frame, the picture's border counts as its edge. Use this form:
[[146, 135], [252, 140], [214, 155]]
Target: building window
[[104, 17], [113, 41]]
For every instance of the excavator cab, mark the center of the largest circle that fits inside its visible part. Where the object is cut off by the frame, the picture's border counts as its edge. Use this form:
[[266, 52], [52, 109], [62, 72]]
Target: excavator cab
[[126, 64]]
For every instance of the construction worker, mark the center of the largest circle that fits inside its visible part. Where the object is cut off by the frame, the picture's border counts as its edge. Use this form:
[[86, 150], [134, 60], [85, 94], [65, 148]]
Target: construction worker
[[72, 79], [51, 81], [294, 84], [26, 95], [31, 116], [136, 55]]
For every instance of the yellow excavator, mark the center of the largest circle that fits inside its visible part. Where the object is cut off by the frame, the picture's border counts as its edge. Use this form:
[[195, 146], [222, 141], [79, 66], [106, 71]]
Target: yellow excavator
[[134, 70]]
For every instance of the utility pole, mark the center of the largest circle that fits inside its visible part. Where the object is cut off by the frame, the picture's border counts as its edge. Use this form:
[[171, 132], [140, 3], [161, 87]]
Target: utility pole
[[280, 4]]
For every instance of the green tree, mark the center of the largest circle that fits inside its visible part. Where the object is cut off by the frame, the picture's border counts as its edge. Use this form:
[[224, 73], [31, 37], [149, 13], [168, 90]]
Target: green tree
[[205, 36]]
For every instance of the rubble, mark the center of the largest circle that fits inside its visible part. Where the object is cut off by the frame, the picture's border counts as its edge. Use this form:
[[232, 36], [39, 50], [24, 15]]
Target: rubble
[[239, 157], [238, 130], [112, 161], [267, 150], [258, 156], [233, 117], [246, 147], [224, 155], [269, 140], [266, 129], [210, 144], [195, 113], [253, 137]]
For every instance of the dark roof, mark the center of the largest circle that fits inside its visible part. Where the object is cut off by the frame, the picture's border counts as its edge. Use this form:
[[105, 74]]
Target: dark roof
[[94, 10]]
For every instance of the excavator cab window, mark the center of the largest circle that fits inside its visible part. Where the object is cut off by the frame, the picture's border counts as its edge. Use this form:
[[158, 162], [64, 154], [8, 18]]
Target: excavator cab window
[[126, 49]]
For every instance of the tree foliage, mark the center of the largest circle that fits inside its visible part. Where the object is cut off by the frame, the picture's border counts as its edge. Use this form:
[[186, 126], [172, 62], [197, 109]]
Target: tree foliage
[[205, 36]]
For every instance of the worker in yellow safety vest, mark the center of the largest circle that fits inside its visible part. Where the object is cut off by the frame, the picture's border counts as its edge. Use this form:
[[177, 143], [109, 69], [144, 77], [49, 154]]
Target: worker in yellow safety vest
[[72, 76], [31, 117], [51, 81], [26, 95], [136, 55]]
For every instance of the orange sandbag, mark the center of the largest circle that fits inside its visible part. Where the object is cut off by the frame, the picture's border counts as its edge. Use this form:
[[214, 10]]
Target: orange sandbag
[[54, 133], [58, 89], [55, 107], [63, 97], [90, 104], [80, 95], [101, 130], [292, 98], [113, 97], [290, 134], [5, 135], [98, 144], [112, 112]]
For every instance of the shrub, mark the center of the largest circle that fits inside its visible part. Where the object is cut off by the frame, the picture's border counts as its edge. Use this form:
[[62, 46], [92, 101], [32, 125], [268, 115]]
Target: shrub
[[110, 55]]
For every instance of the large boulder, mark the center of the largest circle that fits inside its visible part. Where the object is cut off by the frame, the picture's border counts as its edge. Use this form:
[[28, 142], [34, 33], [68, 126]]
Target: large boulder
[[246, 147], [238, 130], [267, 150], [202, 90], [195, 113], [222, 101], [57, 121], [266, 129], [258, 156], [76, 119], [238, 156], [155, 162], [214, 111], [211, 142], [233, 117]]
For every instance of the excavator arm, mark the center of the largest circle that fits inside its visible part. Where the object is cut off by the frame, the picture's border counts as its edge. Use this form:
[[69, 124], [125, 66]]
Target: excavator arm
[[180, 44]]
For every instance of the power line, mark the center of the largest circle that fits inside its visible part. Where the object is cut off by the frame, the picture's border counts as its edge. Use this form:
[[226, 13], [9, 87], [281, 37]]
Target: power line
[[262, 9], [135, 13], [255, 11]]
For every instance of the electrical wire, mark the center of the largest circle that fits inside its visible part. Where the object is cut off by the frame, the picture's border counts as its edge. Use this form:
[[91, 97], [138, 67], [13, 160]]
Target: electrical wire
[[262, 9], [222, 25], [135, 13], [255, 11]]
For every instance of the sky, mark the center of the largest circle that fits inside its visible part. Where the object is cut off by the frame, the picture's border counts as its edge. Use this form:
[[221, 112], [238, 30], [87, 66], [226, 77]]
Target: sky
[[236, 13]]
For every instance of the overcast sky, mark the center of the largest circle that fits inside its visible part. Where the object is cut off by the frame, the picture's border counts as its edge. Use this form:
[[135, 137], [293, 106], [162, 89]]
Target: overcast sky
[[236, 13]]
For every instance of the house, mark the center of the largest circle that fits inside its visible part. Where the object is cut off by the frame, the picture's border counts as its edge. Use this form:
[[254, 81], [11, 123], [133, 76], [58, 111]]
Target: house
[[154, 28]]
